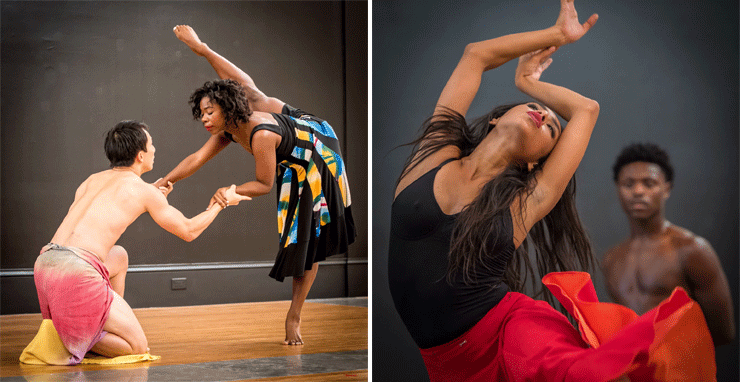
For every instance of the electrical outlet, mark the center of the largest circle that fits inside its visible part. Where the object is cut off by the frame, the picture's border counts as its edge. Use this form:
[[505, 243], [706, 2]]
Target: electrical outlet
[[179, 283]]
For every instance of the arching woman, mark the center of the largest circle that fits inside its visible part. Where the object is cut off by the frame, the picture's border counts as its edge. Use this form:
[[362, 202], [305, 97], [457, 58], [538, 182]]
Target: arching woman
[[476, 200], [296, 150]]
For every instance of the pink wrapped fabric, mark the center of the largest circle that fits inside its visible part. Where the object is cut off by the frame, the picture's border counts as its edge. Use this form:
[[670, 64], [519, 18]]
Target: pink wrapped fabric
[[74, 291]]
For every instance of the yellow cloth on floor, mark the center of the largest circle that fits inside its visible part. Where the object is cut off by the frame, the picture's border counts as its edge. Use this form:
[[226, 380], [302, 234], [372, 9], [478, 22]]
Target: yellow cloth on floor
[[47, 349], [133, 358]]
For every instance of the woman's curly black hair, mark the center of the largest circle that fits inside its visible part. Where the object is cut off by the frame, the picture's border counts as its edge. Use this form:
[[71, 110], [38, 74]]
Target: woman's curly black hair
[[228, 94]]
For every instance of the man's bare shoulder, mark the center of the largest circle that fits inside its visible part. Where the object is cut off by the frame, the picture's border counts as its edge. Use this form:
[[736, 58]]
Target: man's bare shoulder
[[615, 253], [129, 184], [694, 250], [141, 189], [686, 241]]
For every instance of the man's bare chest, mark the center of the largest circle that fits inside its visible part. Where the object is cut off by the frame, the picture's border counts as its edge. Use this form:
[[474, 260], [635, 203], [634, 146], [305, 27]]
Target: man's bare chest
[[652, 268]]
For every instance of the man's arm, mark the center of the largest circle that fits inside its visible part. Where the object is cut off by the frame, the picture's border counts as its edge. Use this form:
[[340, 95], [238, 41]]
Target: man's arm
[[711, 290], [173, 221], [607, 267]]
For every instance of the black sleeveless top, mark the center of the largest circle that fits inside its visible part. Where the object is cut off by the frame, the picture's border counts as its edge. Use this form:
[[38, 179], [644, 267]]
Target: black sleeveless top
[[434, 310], [283, 128]]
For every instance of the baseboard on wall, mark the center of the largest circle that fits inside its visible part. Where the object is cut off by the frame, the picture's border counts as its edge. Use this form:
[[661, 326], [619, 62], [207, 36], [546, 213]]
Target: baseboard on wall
[[205, 283]]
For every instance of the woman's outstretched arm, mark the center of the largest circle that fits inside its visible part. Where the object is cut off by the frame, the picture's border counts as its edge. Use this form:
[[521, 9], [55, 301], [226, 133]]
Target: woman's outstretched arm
[[194, 161], [225, 69], [481, 56]]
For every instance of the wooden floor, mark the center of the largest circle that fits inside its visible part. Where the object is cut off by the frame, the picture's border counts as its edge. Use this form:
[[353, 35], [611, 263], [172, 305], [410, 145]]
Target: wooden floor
[[199, 334], [358, 375]]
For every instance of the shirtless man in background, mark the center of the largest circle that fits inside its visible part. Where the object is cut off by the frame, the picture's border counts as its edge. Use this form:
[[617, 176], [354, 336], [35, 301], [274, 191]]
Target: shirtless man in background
[[659, 256], [80, 274]]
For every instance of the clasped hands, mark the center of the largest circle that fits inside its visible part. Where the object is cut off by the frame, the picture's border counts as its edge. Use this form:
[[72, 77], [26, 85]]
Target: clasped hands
[[165, 189], [224, 196], [227, 196]]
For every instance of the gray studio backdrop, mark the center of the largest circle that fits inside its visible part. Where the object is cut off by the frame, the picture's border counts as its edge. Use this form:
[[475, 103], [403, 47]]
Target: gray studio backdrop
[[663, 71], [72, 70]]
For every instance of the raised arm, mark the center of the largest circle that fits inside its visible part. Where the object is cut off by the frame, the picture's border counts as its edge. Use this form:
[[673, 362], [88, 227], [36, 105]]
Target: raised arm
[[479, 57], [194, 161], [581, 114], [711, 290], [173, 221], [226, 70]]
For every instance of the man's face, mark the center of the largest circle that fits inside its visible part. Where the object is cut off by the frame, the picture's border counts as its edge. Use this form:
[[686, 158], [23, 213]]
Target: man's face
[[149, 154], [642, 189]]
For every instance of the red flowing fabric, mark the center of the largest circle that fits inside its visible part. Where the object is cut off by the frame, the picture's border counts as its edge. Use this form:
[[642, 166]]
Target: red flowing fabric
[[522, 339], [681, 348]]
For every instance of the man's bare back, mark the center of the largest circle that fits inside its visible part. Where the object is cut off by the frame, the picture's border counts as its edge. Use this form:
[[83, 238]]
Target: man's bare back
[[106, 203]]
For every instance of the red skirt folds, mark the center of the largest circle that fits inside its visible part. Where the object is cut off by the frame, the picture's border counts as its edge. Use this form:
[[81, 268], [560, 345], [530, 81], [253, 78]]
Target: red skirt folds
[[522, 339]]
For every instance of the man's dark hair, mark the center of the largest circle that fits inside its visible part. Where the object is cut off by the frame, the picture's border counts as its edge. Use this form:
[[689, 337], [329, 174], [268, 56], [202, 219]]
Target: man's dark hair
[[228, 94], [124, 141], [644, 152]]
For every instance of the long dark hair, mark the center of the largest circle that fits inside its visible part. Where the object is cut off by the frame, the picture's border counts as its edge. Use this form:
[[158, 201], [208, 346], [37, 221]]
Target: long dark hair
[[558, 242]]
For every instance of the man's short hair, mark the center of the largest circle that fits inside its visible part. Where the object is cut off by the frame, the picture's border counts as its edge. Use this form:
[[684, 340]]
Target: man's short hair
[[644, 152], [124, 141]]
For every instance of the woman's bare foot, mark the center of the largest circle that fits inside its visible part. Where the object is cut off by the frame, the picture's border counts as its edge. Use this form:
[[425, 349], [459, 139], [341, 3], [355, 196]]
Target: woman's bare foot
[[187, 35], [293, 330]]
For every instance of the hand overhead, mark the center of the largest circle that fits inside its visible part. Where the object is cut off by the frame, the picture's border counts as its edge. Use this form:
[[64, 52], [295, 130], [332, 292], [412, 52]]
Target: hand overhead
[[568, 23], [531, 65], [187, 35]]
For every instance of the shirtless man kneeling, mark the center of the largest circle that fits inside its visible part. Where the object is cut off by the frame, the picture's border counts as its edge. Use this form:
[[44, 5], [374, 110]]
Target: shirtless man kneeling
[[80, 275]]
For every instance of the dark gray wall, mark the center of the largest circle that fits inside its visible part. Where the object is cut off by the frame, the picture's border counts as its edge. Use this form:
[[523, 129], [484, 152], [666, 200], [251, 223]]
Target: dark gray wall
[[152, 288], [662, 70], [71, 70]]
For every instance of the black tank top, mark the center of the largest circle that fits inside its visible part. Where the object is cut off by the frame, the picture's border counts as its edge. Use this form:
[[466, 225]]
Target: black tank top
[[434, 310]]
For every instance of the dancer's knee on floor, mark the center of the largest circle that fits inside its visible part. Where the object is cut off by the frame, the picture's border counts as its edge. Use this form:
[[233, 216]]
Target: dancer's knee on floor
[[139, 345]]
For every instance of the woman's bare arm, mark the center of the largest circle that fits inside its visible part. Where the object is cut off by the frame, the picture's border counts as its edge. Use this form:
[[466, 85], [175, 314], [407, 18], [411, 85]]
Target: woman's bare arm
[[194, 161], [581, 114], [479, 57], [226, 70], [265, 161]]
